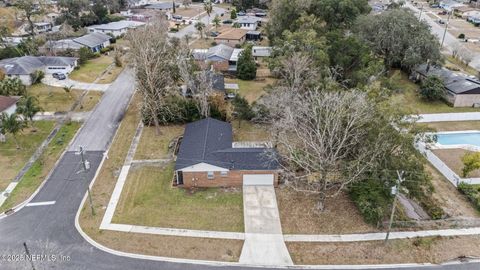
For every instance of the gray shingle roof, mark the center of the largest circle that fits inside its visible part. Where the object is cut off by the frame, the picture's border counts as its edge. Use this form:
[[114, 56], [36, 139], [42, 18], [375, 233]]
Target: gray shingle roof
[[248, 19], [453, 82], [117, 25], [210, 141], [26, 65], [221, 50], [92, 40]]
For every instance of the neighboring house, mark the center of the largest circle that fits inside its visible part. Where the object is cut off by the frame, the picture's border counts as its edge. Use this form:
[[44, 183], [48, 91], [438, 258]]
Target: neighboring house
[[62, 45], [207, 158], [137, 3], [8, 104], [222, 57], [450, 4], [43, 27], [116, 29], [461, 90], [261, 51], [253, 36], [232, 37], [94, 41], [249, 22], [163, 5], [25, 66], [218, 85]]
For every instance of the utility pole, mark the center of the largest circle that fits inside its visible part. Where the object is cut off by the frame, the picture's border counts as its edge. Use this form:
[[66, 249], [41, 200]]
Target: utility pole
[[420, 16], [446, 27], [86, 167], [395, 191]]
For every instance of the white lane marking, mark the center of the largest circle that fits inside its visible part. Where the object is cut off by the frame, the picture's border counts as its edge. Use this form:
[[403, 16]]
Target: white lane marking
[[41, 203]]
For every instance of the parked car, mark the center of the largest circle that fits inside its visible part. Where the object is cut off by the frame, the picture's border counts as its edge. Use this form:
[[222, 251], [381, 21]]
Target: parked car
[[214, 34], [177, 17], [59, 76], [241, 13], [434, 5], [231, 95], [227, 22], [441, 21], [443, 12]]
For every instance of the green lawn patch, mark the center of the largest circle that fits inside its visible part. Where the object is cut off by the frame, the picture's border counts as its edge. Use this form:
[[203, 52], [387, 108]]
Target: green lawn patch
[[53, 99], [251, 90], [12, 159], [40, 169], [148, 199], [89, 71], [153, 146], [407, 97]]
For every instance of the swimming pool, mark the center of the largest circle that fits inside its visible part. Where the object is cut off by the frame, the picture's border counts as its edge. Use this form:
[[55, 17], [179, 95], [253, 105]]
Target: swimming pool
[[472, 138]]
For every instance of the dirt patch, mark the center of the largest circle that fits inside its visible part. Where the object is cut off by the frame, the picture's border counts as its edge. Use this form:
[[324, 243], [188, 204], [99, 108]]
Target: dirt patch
[[419, 250], [453, 159], [298, 217]]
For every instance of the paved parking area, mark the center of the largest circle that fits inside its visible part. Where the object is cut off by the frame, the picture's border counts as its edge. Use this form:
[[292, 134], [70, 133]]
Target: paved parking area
[[264, 243]]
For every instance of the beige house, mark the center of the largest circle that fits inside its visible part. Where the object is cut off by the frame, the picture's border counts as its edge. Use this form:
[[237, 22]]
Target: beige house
[[232, 37]]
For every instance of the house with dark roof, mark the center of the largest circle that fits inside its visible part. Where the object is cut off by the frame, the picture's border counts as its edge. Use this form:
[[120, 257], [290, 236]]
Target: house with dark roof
[[24, 67], [94, 41], [208, 157], [461, 90]]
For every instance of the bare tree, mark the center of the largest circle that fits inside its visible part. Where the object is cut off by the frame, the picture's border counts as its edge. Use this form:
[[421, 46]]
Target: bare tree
[[456, 47], [30, 8], [333, 139], [199, 82], [186, 3], [153, 56], [466, 55]]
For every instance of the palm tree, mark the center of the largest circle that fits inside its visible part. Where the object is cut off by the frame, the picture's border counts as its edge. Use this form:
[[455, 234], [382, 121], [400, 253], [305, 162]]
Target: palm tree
[[28, 106], [11, 124], [216, 21], [200, 27], [208, 6]]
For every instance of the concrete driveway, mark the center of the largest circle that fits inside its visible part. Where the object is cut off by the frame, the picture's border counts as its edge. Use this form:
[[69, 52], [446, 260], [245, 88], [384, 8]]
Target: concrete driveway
[[49, 80], [264, 243]]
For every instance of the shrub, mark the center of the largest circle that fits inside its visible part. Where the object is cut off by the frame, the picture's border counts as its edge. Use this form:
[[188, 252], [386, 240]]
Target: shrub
[[118, 59], [432, 89], [246, 67], [12, 87], [461, 36], [472, 192], [173, 29], [96, 55], [84, 54], [372, 200], [214, 43], [37, 76]]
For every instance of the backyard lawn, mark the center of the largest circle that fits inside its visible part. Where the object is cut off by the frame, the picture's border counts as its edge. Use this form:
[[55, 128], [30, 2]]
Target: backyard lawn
[[248, 131], [91, 70], [44, 164], [408, 98], [153, 146], [454, 126], [148, 199], [11, 159], [251, 90], [453, 159]]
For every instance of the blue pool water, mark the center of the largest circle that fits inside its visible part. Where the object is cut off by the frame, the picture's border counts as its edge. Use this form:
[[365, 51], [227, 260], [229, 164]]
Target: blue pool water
[[459, 138]]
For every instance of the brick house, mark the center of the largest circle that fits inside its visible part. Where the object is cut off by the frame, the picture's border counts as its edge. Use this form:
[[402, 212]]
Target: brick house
[[207, 157]]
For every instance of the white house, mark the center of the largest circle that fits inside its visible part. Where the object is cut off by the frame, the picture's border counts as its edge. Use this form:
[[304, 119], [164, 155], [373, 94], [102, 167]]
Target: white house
[[8, 104], [249, 22], [116, 29], [24, 67], [261, 51], [42, 27]]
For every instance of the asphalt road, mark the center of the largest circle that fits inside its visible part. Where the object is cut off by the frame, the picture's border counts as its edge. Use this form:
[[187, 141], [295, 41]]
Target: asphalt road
[[50, 229]]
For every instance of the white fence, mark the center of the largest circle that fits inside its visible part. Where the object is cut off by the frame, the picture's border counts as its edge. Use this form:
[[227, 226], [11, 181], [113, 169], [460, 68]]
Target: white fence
[[443, 168], [446, 117]]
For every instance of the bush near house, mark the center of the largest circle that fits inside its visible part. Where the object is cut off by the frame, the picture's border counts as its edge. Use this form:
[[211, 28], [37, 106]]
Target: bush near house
[[472, 192], [372, 200], [246, 67]]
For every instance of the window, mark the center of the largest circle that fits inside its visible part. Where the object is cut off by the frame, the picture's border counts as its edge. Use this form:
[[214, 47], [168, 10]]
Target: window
[[224, 174], [210, 175]]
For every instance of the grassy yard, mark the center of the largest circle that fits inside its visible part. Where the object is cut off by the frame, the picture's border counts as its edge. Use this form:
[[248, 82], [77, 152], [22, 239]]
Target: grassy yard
[[298, 216], [408, 98], [248, 131], [148, 199], [251, 90], [454, 126], [89, 101], [180, 247], [453, 159], [189, 11], [457, 65], [53, 99], [12, 160], [153, 146], [202, 43], [44, 164], [417, 250], [92, 69]]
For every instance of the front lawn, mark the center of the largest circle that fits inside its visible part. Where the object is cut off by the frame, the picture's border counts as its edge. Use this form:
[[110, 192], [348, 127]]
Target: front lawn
[[53, 99], [89, 101], [11, 159], [407, 97], [91, 70], [42, 167], [148, 199]]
